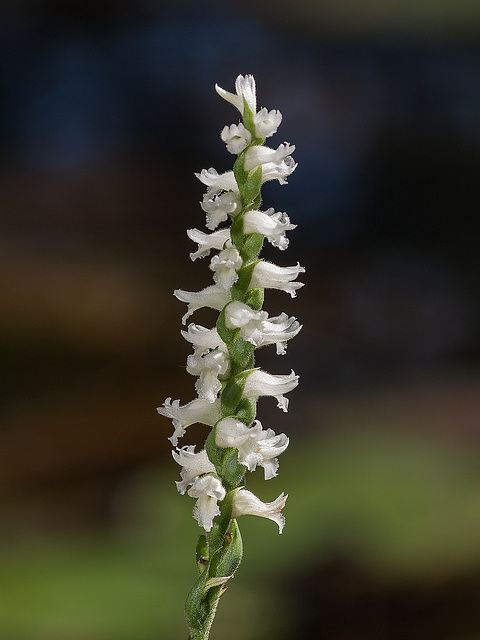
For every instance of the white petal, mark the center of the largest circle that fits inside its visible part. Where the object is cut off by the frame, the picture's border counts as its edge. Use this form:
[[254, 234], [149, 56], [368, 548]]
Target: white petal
[[247, 503], [225, 265], [203, 338], [231, 432], [270, 224], [236, 137], [261, 383], [213, 297], [197, 410], [208, 241], [218, 182], [267, 275], [259, 155], [267, 122], [208, 489], [193, 465], [245, 88]]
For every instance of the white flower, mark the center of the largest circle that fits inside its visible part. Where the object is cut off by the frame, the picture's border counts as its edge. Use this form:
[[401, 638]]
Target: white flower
[[213, 297], [204, 338], [256, 328], [267, 122], [197, 410], [239, 315], [208, 489], [267, 275], [225, 265], [255, 446], [270, 224], [217, 182], [246, 503], [245, 88], [261, 383], [260, 155], [208, 366], [237, 137], [219, 207], [208, 241], [193, 465]]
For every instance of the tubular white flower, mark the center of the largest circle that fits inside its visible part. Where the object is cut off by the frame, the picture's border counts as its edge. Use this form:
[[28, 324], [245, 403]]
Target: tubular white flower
[[267, 275], [208, 366], [217, 182], [255, 446], [198, 410], [218, 207], [208, 489], [225, 265], [208, 241], [193, 465], [245, 88], [270, 224], [203, 338], [246, 503], [260, 383], [267, 122], [260, 155], [239, 315], [237, 137], [213, 297], [256, 328]]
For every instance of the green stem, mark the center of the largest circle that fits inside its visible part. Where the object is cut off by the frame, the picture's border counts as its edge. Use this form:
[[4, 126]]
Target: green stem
[[219, 553]]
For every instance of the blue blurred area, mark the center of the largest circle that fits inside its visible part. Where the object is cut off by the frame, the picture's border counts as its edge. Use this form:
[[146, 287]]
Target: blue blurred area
[[83, 89]]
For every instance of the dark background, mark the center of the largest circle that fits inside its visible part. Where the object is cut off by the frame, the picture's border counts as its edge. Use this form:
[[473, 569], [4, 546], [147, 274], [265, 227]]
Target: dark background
[[106, 111]]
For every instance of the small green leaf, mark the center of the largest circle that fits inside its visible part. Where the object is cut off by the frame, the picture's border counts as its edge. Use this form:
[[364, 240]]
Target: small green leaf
[[247, 410], [240, 287], [250, 188], [252, 245], [254, 298], [232, 393], [202, 554], [248, 116]]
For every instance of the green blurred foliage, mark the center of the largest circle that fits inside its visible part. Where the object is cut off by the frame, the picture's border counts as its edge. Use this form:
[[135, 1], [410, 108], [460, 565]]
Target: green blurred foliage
[[401, 507]]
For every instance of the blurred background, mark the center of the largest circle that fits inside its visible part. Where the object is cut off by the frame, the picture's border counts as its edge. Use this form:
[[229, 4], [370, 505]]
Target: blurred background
[[107, 109]]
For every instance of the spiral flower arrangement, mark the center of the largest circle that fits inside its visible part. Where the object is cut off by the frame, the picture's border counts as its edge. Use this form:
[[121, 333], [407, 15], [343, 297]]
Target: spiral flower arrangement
[[228, 384]]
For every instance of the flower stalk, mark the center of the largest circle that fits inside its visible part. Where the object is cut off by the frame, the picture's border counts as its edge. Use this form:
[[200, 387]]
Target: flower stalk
[[228, 382]]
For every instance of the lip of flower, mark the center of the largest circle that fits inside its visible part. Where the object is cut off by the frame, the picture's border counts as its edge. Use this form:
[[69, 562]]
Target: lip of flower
[[208, 366], [225, 265], [208, 489]]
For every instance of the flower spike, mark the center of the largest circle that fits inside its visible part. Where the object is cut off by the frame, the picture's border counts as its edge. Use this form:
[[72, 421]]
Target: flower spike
[[228, 384]]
